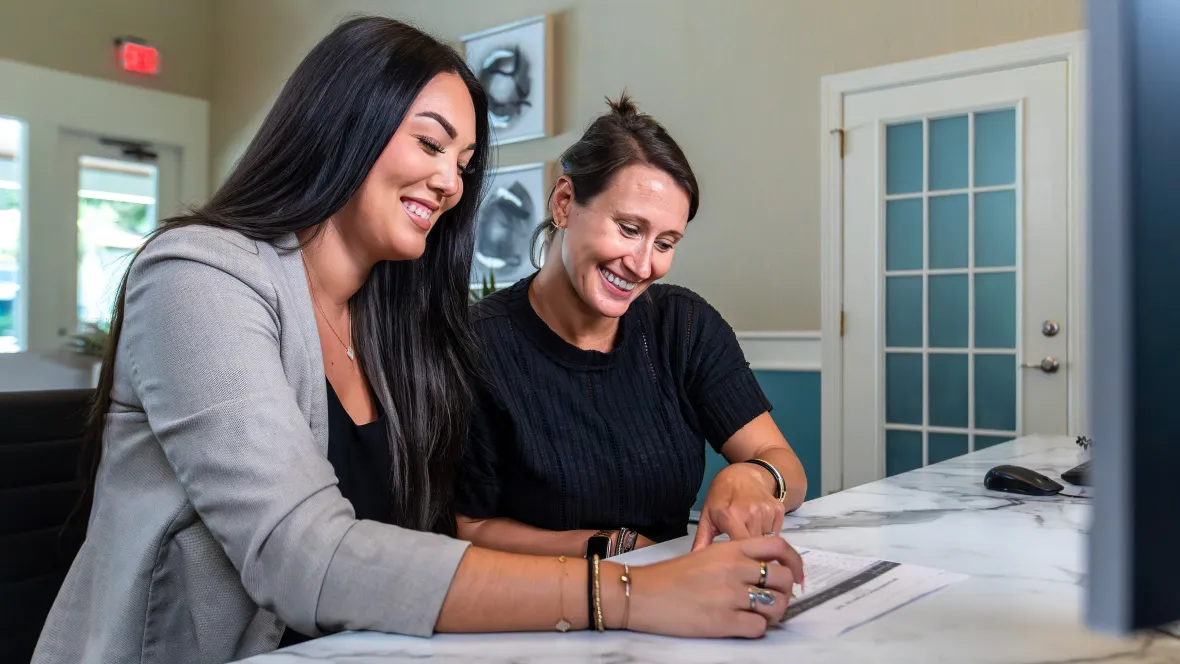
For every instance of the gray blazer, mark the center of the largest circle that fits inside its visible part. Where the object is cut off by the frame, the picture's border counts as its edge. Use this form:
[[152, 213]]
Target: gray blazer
[[217, 519]]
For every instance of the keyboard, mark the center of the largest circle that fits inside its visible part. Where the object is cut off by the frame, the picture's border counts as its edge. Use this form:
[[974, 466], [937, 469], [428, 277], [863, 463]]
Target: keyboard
[[1079, 475]]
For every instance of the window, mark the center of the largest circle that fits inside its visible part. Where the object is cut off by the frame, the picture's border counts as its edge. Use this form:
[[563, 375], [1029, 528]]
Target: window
[[116, 211], [11, 197], [950, 286]]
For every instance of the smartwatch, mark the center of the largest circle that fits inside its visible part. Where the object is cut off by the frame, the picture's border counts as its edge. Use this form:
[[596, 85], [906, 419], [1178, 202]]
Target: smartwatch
[[599, 544]]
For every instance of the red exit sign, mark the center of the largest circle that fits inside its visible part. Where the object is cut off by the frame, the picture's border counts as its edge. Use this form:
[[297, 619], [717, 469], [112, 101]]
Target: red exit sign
[[136, 56]]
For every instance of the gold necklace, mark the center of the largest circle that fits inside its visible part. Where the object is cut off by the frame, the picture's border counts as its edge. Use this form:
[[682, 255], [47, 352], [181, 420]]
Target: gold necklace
[[311, 282]]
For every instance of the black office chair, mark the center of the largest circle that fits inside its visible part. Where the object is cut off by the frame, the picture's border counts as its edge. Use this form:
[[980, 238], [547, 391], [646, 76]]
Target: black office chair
[[40, 440]]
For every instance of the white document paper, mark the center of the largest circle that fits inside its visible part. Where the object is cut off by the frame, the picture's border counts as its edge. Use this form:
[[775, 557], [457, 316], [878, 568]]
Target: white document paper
[[845, 591]]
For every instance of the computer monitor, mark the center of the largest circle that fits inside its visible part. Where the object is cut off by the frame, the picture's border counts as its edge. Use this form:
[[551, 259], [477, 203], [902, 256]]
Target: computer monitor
[[1134, 334]]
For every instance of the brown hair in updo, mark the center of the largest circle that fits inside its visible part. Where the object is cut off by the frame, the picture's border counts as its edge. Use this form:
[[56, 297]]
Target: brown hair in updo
[[614, 140]]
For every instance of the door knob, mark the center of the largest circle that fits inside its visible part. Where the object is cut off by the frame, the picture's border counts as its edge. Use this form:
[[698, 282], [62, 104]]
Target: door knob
[[1048, 365], [1050, 328]]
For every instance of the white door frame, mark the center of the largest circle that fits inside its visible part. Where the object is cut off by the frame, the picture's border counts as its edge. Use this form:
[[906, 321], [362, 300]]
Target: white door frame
[[167, 163], [1069, 47], [52, 103]]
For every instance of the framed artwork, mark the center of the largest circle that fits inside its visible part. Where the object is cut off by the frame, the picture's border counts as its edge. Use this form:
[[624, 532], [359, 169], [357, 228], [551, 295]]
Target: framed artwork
[[514, 63], [514, 204]]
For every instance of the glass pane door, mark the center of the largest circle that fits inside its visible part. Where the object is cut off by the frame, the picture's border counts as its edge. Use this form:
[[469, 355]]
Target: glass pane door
[[955, 254], [11, 251], [951, 284], [117, 190], [116, 211]]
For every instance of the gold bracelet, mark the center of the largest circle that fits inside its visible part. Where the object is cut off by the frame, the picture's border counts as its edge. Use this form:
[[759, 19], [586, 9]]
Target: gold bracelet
[[626, 578], [562, 625], [598, 622]]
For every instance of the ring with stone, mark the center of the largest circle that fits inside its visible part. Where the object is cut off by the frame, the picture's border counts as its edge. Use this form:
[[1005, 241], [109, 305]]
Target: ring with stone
[[759, 596], [763, 572]]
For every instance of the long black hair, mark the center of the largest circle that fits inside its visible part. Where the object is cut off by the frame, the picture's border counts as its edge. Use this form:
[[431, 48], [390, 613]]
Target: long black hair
[[325, 131]]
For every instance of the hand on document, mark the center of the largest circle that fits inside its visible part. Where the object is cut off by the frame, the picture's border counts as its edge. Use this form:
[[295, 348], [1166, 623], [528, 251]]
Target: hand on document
[[845, 591]]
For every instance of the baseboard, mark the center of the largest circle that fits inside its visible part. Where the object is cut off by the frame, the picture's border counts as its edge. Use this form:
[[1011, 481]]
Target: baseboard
[[782, 351]]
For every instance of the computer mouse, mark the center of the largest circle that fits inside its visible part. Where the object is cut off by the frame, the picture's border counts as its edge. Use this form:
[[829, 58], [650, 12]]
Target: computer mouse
[[1016, 479]]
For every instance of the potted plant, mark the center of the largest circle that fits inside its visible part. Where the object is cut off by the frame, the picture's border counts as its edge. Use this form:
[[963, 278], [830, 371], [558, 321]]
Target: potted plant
[[91, 343], [487, 288], [1083, 443]]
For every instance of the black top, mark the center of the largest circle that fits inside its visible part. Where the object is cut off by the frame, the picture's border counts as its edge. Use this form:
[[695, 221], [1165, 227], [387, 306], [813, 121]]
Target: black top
[[565, 438], [360, 456]]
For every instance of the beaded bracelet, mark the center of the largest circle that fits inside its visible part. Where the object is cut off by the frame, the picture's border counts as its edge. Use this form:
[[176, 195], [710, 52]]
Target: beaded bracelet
[[599, 624], [627, 539]]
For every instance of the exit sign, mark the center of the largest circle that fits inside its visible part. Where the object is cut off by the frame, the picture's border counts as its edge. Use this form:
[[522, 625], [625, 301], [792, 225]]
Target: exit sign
[[138, 57]]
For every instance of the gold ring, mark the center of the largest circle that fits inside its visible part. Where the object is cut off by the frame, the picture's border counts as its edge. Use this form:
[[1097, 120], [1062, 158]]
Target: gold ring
[[763, 571]]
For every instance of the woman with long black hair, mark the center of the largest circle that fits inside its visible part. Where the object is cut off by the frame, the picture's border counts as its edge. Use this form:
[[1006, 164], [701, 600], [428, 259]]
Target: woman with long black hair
[[282, 410]]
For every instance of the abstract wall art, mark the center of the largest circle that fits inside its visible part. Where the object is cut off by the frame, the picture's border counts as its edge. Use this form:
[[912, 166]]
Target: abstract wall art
[[514, 63], [514, 204]]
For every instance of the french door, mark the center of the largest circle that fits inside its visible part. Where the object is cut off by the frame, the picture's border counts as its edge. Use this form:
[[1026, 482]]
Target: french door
[[955, 255]]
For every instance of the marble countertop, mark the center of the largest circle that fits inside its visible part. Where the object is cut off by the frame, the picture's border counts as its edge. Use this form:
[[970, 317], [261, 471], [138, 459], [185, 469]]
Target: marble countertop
[[1022, 603]]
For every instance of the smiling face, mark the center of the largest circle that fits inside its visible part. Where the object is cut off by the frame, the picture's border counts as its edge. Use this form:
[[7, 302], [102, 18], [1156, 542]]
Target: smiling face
[[418, 176], [622, 240]]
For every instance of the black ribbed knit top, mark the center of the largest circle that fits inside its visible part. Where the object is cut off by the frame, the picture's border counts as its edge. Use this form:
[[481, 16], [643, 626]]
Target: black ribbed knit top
[[564, 438]]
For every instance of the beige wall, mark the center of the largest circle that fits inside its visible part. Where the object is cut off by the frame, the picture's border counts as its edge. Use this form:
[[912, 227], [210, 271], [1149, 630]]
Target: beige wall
[[77, 36], [735, 81]]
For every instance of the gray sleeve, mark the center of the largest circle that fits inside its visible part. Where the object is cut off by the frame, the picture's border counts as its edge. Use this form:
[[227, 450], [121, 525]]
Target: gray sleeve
[[202, 335]]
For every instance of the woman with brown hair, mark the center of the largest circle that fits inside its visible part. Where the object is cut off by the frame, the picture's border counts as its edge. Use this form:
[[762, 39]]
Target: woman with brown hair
[[602, 386]]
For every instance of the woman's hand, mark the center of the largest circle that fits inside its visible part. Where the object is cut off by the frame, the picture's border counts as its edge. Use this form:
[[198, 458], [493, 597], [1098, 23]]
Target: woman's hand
[[739, 505], [707, 593]]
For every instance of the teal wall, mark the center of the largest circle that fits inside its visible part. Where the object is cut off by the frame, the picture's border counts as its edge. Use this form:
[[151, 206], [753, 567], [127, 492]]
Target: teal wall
[[795, 398]]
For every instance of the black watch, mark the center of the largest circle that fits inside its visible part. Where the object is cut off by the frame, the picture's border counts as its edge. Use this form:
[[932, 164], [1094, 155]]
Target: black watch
[[599, 544]]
